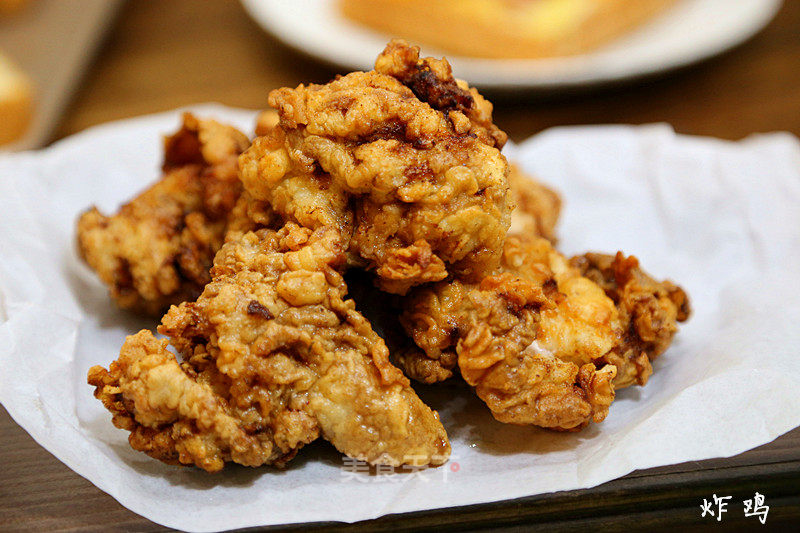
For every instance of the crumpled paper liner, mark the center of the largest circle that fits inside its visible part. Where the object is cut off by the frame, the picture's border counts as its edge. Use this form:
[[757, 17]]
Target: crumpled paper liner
[[720, 218]]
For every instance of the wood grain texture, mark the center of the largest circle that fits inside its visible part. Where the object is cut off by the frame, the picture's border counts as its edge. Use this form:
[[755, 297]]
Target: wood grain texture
[[162, 55], [37, 492]]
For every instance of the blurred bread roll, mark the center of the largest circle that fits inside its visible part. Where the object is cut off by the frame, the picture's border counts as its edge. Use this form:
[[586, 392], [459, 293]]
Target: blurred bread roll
[[505, 28], [11, 6], [16, 101]]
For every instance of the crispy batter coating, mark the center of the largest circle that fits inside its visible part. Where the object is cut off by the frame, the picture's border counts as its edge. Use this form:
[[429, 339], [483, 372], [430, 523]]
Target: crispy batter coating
[[527, 338], [432, 81], [157, 250], [537, 206], [180, 414], [536, 214], [541, 325], [649, 310], [403, 160], [274, 357]]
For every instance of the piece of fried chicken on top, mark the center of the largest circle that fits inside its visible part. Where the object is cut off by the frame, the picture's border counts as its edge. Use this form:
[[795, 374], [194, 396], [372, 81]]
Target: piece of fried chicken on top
[[274, 356], [404, 160], [157, 249]]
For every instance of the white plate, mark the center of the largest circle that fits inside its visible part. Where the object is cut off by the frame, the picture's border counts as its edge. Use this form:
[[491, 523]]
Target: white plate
[[691, 31]]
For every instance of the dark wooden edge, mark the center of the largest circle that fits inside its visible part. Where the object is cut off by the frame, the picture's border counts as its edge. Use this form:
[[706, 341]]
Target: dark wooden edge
[[635, 502]]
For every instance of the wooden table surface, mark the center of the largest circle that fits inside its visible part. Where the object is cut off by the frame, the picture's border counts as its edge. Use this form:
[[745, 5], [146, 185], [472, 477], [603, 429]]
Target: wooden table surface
[[161, 55]]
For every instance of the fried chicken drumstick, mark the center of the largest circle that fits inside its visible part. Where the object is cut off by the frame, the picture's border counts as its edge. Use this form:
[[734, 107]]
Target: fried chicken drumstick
[[404, 160], [274, 356]]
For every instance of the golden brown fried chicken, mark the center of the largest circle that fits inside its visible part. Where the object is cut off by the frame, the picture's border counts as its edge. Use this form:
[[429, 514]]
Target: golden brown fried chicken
[[404, 160], [527, 338], [180, 414], [157, 250], [544, 341], [537, 206], [649, 310], [274, 357]]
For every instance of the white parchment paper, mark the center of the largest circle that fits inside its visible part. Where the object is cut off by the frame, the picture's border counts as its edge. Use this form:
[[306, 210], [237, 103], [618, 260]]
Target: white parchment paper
[[721, 218]]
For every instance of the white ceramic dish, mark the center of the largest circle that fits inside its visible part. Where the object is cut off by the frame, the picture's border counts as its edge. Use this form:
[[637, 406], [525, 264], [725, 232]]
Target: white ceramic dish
[[690, 32]]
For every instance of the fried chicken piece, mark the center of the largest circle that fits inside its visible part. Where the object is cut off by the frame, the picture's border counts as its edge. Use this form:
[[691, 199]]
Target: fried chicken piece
[[404, 160], [274, 357], [536, 212], [527, 337], [537, 206], [250, 215], [649, 309], [180, 415], [541, 323], [266, 121], [157, 250]]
